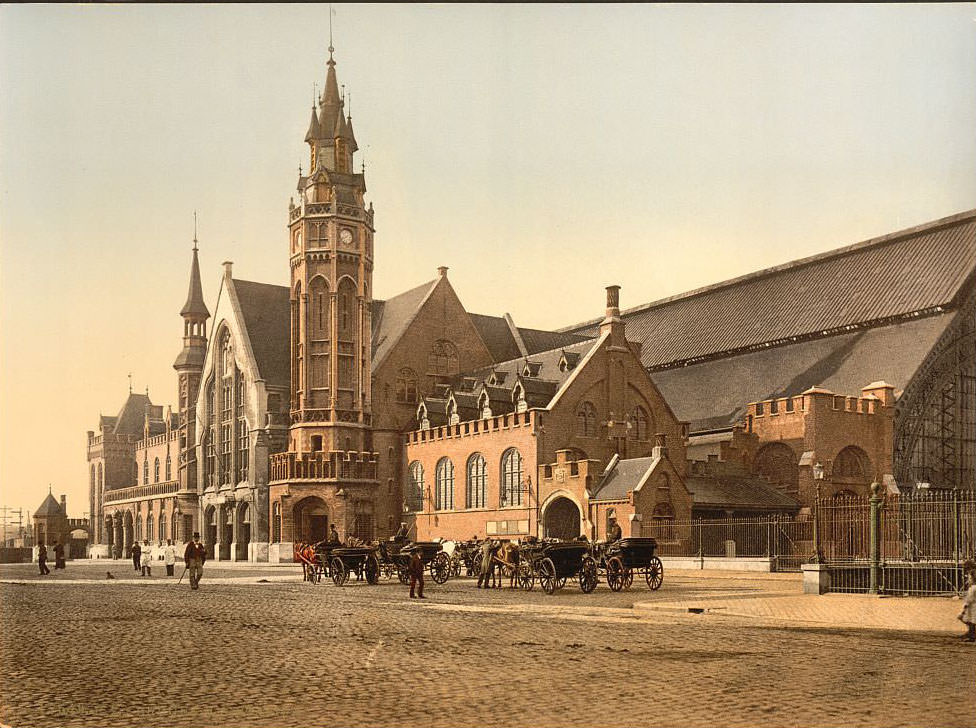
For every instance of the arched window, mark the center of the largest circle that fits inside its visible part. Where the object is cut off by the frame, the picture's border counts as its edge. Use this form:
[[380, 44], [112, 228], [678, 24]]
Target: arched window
[[443, 359], [586, 419], [276, 523], [150, 522], [145, 471], [162, 526], [851, 462], [511, 480], [777, 462], [169, 467], [477, 482], [444, 485], [92, 482], [406, 386], [415, 487], [156, 471], [638, 424], [138, 535], [100, 481]]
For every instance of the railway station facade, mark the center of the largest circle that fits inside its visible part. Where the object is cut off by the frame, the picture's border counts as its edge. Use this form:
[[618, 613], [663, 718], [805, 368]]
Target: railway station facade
[[315, 404]]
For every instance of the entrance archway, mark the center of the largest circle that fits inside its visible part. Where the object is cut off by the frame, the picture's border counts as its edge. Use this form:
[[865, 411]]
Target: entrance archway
[[226, 531], [561, 520], [118, 536], [311, 519], [243, 532], [210, 534]]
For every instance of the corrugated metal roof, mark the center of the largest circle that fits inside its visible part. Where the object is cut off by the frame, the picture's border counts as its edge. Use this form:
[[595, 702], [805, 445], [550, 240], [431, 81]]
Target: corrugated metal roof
[[879, 280]]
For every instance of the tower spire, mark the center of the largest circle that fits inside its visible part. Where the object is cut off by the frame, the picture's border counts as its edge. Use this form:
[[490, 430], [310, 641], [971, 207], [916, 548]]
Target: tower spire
[[194, 306], [194, 231]]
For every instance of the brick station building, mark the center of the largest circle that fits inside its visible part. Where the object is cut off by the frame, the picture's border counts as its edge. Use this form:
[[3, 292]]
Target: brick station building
[[315, 403]]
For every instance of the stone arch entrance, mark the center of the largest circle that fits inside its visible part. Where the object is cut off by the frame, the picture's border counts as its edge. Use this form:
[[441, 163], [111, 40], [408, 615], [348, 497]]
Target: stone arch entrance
[[561, 519], [311, 519], [226, 531], [243, 532], [118, 536]]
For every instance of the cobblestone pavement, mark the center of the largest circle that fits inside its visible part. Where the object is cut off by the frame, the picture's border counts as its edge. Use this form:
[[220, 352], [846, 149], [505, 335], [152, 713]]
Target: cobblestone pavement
[[284, 654]]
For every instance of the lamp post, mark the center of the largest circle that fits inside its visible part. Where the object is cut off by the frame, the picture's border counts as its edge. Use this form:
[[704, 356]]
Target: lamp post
[[818, 474]]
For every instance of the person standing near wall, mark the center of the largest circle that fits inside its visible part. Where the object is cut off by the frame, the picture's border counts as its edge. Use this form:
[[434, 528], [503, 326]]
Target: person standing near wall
[[42, 560], [147, 555], [136, 555], [169, 556]]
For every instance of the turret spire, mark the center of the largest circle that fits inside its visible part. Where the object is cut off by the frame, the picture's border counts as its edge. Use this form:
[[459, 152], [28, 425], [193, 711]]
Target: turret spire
[[194, 306]]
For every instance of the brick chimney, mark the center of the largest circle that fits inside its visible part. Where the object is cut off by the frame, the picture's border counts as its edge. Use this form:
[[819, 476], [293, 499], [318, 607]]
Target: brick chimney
[[612, 322], [660, 449], [64, 504]]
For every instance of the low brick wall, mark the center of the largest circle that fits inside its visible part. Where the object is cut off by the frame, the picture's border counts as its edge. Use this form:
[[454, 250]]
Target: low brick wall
[[721, 563]]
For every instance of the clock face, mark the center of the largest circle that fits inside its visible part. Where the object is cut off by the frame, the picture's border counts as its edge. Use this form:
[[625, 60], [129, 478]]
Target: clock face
[[345, 236]]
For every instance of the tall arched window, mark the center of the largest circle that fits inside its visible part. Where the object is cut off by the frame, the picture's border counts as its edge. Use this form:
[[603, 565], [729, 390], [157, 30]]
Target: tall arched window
[[477, 482], [415, 487], [319, 330], [100, 481], [145, 471], [169, 467], [162, 526], [638, 423], [406, 386], [511, 480], [92, 482], [138, 535], [156, 471], [444, 485], [586, 419]]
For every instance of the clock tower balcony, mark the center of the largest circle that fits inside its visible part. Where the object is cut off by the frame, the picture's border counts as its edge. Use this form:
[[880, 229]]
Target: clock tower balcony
[[344, 466], [327, 209]]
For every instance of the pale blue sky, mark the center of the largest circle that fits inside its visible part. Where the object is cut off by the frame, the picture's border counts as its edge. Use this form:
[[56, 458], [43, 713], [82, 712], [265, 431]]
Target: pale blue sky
[[542, 152]]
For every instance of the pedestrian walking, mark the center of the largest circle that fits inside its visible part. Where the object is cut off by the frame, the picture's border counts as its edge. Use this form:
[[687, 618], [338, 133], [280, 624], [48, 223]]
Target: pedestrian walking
[[416, 571], [147, 555], [136, 555], [194, 556], [968, 614], [169, 556], [58, 555], [42, 560]]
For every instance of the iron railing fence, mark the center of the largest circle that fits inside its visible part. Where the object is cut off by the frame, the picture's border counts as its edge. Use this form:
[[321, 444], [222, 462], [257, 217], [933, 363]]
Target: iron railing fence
[[913, 543], [787, 540]]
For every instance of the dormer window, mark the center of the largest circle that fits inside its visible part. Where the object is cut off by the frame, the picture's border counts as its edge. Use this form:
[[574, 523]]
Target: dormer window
[[531, 369], [568, 361], [518, 399], [497, 379], [484, 406], [422, 417]]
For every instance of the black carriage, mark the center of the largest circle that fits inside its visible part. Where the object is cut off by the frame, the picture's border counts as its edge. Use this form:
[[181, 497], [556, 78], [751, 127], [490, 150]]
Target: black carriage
[[552, 563], [391, 562], [622, 559], [431, 554], [466, 558], [360, 560]]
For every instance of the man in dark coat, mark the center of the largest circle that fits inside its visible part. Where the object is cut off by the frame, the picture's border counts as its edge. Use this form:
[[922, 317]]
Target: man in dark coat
[[42, 560], [613, 532], [58, 555], [416, 571], [334, 536], [136, 555], [194, 556]]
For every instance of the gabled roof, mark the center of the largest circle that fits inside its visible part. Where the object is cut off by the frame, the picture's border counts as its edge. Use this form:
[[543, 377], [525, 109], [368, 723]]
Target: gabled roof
[[267, 311], [497, 335], [49, 507], [622, 478], [392, 317], [132, 417], [916, 271], [547, 361], [737, 491]]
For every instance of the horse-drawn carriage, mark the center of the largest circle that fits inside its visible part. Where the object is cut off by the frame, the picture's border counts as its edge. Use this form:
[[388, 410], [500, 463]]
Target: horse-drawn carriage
[[553, 563], [394, 558], [361, 560], [620, 560]]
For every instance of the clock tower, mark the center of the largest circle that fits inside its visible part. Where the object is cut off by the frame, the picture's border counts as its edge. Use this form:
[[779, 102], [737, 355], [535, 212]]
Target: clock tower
[[328, 475]]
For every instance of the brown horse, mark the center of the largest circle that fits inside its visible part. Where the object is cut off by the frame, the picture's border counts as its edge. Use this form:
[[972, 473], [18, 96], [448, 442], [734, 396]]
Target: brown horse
[[506, 562]]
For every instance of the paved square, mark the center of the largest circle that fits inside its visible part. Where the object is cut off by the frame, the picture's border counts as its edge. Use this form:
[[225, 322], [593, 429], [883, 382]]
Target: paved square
[[246, 652]]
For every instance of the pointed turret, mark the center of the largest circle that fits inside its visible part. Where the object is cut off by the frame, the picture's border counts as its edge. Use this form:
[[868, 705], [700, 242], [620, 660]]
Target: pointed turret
[[313, 132], [194, 305], [195, 315], [353, 146]]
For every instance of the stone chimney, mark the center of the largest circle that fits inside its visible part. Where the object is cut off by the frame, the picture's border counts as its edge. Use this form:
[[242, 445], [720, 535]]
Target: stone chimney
[[442, 271], [228, 268], [660, 449], [64, 504], [612, 322]]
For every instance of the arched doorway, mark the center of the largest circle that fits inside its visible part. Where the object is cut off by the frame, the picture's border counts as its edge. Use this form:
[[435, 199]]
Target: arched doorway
[[210, 534], [226, 531], [108, 535], [118, 536], [127, 534], [561, 520], [243, 532], [311, 518]]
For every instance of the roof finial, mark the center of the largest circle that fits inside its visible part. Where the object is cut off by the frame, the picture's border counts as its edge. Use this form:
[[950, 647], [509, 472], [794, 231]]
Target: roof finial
[[194, 231], [147, 390], [130, 382], [342, 96], [331, 49], [315, 93], [49, 489], [349, 105]]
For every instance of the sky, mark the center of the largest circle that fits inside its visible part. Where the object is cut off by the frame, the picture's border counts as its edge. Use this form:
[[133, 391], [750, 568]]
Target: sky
[[541, 152]]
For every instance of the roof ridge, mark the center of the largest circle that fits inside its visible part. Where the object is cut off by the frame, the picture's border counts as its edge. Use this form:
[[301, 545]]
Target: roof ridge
[[877, 241]]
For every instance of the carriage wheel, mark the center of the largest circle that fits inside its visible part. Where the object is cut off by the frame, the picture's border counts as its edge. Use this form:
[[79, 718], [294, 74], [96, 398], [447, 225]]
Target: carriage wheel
[[654, 573], [456, 564], [339, 572], [440, 568], [628, 578], [587, 575], [547, 576], [372, 569], [526, 579], [560, 582], [615, 574]]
